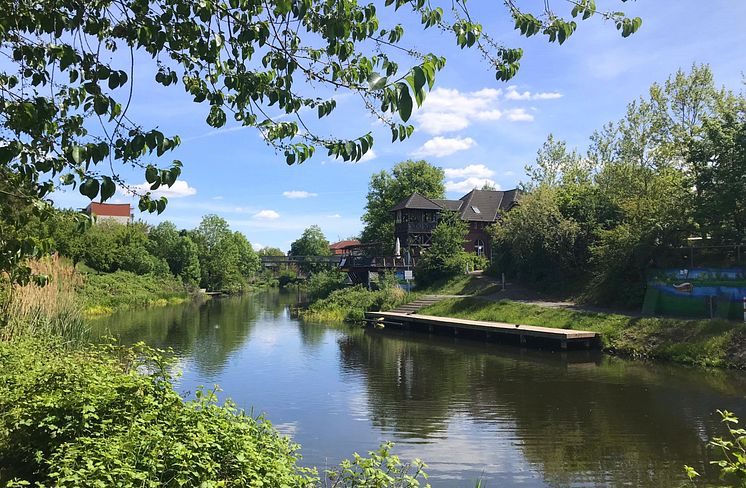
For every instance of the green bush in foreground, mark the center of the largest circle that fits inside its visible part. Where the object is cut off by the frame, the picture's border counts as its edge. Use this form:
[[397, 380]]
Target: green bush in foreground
[[109, 416]]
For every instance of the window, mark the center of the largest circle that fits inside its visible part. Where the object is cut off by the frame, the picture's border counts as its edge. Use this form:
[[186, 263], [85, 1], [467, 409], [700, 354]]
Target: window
[[476, 209], [479, 247]]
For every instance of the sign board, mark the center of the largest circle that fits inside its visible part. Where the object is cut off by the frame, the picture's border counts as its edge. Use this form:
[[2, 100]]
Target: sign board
[[408, 274]]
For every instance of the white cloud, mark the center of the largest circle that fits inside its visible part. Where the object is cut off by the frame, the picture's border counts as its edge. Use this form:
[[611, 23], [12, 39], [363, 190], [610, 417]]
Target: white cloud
[[267, 215], [471, 171], [465, 186], [514, 94], [448, 110], [489, 115], [179, 189], [294, 194], [442, 146], [334, 216], [369, 156], [257, 247], [518, 115], [217, 197]]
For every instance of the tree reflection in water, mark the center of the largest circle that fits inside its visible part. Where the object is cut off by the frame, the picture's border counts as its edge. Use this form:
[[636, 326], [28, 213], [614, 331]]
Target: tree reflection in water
[[577, 418]]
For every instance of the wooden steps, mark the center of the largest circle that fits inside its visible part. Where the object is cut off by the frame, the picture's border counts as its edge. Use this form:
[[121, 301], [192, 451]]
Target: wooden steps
[[415, 306]]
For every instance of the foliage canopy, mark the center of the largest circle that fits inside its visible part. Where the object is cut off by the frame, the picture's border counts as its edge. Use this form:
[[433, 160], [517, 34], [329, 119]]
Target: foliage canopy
[[67, 87]]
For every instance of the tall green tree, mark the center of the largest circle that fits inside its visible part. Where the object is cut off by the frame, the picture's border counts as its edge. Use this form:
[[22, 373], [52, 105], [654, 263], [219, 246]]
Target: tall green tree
[[445, 257], [718, 175], [270, 251], [386, 189], [220, 255], [312, 242]]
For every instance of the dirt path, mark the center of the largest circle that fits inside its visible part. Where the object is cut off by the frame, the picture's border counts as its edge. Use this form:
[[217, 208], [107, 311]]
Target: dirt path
[[518, 293]]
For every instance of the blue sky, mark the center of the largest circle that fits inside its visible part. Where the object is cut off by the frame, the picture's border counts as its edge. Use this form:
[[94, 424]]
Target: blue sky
[[474, 127]]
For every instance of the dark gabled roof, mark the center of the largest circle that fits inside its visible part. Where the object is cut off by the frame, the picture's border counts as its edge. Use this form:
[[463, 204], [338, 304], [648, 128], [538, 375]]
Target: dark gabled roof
[[416, 201], [453, 205], [475, 206], [510, 199], [481, 205]]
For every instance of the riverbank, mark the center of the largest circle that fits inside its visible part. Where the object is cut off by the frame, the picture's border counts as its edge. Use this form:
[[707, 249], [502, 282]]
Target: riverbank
[[106, 293], [708, 343], [350, 304]]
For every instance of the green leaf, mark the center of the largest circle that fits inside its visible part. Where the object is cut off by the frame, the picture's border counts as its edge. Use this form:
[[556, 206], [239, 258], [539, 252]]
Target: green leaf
[[376, 81], [77, 153], [151, 174], [404, 102], [107, 188], [89, 188]]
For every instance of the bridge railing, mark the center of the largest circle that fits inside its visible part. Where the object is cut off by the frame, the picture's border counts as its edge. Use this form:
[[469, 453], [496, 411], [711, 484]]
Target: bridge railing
[[276, 260]]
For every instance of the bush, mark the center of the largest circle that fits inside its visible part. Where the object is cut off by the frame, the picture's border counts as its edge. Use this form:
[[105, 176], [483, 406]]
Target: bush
[[476, 262], [322, 283], [123, 289], [350, 304], [286, 277], [446, 257], [109, 416]]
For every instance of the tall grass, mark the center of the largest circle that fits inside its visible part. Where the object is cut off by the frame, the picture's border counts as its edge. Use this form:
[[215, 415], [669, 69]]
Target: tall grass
[[49, 310]]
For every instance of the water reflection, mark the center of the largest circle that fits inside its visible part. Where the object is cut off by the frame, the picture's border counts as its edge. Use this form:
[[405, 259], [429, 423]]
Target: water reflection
[[576, 417], [511, 416]]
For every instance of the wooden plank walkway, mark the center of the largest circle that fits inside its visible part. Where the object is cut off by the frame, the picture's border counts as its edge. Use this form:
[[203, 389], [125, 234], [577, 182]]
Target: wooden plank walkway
[[561, 337]]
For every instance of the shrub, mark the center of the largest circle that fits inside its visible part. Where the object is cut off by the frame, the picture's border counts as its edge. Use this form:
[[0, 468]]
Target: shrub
[[350, 304], [109, 416], [123, 289], [322, 283]]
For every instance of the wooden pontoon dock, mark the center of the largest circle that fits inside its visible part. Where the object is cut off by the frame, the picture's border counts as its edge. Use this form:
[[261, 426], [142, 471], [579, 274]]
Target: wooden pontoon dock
[[522, 334]]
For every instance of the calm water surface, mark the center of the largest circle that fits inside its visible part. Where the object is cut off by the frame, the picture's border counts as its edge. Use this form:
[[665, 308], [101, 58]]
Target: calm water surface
[[513, 417]]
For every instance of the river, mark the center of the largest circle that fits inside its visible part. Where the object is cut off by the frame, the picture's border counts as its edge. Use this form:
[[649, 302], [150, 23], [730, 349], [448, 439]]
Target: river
[[509, 416]]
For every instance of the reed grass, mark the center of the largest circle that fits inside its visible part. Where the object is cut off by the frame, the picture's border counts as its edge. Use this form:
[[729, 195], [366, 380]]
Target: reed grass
[[52, 310]]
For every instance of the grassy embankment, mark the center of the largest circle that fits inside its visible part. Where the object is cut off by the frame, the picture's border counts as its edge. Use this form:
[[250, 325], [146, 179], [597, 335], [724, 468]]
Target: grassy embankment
[[712, 343], [331, 300], [105, 293]]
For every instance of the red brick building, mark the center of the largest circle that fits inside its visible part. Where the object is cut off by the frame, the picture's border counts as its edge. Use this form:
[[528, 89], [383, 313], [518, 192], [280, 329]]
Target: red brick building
[[117, 212], [344, 247], [416, 216]]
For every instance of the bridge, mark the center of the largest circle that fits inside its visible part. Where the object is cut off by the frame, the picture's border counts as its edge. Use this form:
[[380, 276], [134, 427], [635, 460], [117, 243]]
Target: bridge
[[346, 262], [276, 261]]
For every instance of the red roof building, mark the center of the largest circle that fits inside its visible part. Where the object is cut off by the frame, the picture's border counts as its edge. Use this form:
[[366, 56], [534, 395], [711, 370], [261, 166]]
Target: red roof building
[[117, 212], [343, 247]]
